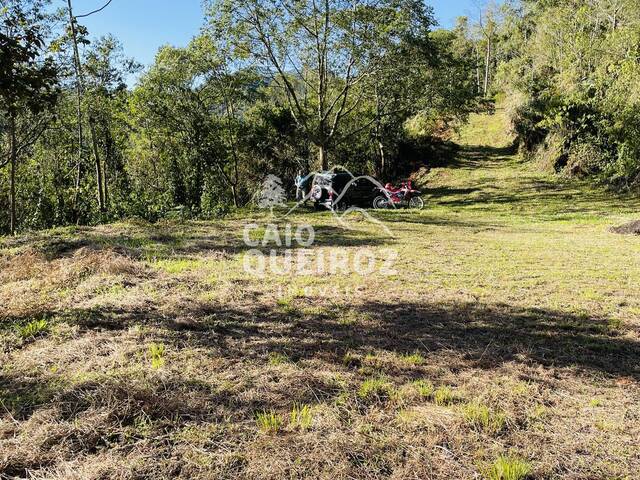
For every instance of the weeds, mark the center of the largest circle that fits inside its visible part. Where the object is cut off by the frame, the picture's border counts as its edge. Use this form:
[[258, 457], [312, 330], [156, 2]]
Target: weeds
[[301, 416], [269, 421], [157, 352], [415, 359], [482, 418], [277, 358], [33, 329], [375, 389], [424, 388], [508, 468], [443, 396]]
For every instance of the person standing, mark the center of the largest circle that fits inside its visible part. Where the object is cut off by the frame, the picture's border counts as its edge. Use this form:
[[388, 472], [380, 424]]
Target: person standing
[[302, 187]]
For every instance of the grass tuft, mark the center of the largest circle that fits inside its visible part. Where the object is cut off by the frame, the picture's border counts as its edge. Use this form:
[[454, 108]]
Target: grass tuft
[[33, 329], [424, 388], [413, 359], [482, 418], [157, 352], [269, 421], [508, 468], [277, 358], [301, 417], [444, 396], [375, 389]]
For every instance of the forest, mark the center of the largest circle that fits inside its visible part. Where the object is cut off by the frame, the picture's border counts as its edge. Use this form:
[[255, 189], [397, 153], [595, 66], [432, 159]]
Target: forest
[[285, 86]]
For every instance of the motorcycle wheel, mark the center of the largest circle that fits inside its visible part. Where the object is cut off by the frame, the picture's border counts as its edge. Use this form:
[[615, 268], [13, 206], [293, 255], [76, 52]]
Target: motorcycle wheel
[[416, 203], [380, 203]]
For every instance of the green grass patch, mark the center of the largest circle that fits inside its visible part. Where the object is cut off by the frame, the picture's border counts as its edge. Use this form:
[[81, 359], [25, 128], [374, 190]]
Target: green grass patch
[[34, 328], [157, 353], [424, 388], [444, 396], [483, 418], [509, 468], [301, 417], [373, 389], [269, 422], [175, 267]]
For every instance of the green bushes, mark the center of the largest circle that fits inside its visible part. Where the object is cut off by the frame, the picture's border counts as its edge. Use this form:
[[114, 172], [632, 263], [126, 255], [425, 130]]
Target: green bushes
[[570, 72]]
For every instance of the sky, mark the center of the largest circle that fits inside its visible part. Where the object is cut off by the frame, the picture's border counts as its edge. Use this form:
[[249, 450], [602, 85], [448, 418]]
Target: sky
[[145, 25]]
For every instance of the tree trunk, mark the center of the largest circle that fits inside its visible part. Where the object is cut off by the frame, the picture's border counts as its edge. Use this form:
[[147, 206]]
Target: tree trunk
[[96, 155], [92, 127], [234, 193], [76, 64], [477, 68], [487, 61], [12, 174], [383, 160], [107, 162], [323, 159]]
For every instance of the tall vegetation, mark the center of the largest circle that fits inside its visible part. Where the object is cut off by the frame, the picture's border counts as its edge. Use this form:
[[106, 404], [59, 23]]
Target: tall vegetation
[[27, 85], [571, 71], [266, 87], [278, 86]]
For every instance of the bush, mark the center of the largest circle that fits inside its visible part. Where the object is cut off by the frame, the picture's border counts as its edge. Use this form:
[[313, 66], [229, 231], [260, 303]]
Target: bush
[[585, 157]]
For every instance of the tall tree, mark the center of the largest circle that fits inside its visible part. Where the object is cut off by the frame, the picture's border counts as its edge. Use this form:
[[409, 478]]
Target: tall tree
[[28, 80], [77, 35], [317, 52]]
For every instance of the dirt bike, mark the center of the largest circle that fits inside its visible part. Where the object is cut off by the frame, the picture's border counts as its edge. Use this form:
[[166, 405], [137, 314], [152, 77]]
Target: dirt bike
[[404, 196]]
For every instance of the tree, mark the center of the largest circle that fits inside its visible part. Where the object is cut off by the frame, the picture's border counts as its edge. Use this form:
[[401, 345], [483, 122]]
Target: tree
[[28, 81], [105, 69], [77, 34], [318, 52]]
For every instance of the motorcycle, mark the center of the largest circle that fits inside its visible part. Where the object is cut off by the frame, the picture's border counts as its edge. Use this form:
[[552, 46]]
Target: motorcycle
[[404, 196]]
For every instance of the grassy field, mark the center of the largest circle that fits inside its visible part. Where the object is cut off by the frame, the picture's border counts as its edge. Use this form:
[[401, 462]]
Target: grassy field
[[506, 345]]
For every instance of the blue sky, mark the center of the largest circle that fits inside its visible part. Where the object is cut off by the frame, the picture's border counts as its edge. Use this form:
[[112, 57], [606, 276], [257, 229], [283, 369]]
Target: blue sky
[[144, 25]]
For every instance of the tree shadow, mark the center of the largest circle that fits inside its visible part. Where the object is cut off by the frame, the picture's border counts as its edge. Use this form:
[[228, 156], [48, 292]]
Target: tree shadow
[[450, 337], [481, 336], [182, 241]]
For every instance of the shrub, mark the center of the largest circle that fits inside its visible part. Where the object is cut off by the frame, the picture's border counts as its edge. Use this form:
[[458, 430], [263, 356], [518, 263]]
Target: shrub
[[585, 158]]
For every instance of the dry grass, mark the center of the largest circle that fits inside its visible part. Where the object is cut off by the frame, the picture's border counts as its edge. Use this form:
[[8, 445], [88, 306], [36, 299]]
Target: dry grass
[[506, 347]]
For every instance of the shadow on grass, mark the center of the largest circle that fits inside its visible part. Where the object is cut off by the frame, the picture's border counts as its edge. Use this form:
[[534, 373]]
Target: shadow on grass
[[172, 240], [451, 337], [481, 336]]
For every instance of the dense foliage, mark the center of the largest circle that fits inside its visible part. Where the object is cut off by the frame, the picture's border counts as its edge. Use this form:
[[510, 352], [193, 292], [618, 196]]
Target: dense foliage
[[315, 85], [571, 71], [279, 86]]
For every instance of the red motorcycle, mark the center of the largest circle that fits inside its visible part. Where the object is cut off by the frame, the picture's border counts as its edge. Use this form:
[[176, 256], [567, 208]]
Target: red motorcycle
[[404, 196]]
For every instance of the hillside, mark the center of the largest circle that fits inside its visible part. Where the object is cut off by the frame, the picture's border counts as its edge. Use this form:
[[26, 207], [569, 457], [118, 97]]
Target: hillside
[[507, 338]]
